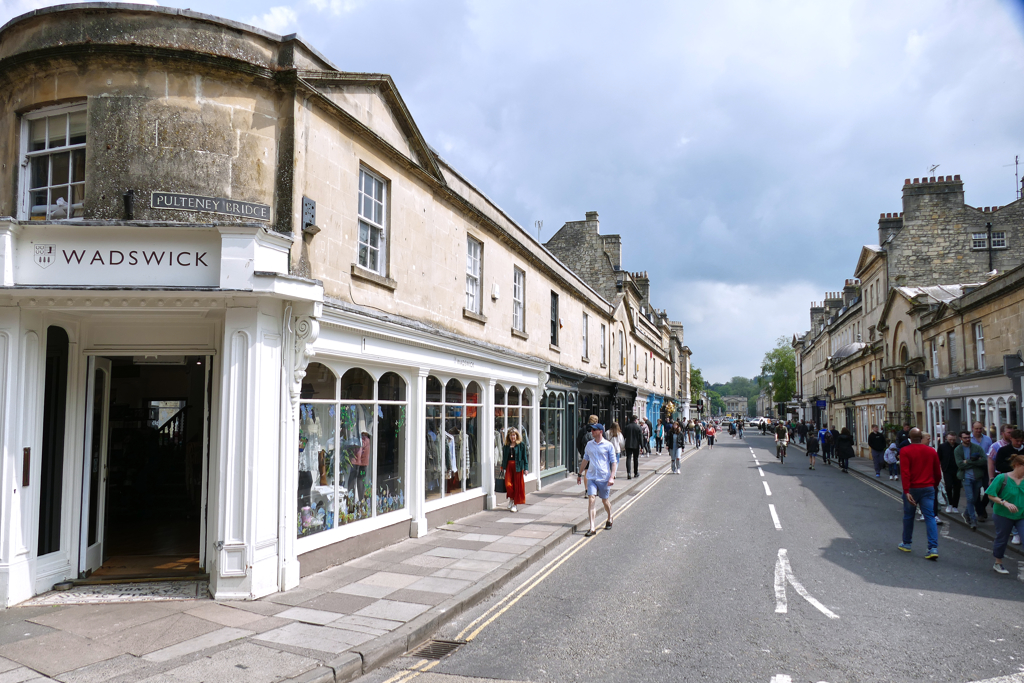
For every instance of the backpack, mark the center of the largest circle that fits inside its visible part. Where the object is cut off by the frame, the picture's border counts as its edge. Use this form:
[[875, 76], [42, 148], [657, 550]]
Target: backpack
[[828, 438], [812, 443]]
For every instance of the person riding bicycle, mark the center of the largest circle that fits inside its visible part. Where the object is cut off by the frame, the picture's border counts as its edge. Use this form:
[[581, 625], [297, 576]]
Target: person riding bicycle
[[781, 439]]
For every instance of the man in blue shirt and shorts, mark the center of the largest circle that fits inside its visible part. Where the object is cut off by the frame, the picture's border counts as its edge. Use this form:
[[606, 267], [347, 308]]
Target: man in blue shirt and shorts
[[600, 464]]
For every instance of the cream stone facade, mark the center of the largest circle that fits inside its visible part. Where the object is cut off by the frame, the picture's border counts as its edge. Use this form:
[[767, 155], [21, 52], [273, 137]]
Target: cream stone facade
[[247, 310]]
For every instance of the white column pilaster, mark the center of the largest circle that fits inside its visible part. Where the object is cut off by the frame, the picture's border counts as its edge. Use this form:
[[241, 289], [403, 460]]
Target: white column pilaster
[[417, 477]]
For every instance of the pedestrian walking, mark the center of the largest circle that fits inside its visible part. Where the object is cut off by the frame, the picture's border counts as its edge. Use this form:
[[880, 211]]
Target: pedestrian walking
[[659, 436], [600, 463], [1001, 463], [633, 436], [825, 439], [614, 437], [892, 460], [812, 447], [645, 446], [921, 474], [876, 442], [844, 449], [947, 460], [710, 434], [516, 464], [971, 467], [583, 437], [1007, 496], [676, 447]]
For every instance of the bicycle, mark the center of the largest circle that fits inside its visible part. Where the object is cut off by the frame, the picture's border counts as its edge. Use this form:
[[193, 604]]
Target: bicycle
[[780, 451]]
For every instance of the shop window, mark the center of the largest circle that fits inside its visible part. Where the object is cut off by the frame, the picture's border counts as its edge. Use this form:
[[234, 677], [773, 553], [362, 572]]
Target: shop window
[[509, 413], [357, 385], [453, 445], [433, 390], [372, 226], [352, 447], [54, 184], [552, 429]]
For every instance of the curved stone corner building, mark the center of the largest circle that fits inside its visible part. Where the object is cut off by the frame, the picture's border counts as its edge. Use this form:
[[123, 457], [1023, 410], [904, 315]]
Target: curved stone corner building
[[251, 325]]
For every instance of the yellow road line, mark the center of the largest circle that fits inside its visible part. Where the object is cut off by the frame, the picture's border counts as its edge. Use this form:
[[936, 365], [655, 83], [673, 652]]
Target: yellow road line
[[415, 669]]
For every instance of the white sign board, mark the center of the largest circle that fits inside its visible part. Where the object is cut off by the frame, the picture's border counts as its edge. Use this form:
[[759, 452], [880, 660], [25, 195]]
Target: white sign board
[[129, 256]]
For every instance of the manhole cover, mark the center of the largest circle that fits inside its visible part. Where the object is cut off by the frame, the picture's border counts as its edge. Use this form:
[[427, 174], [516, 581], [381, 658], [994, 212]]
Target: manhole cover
[[437, 649]]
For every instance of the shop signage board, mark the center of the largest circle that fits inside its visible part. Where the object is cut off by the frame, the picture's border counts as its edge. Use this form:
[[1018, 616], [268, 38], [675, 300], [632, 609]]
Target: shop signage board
[[112, 256], [191, 202], [999, 384]]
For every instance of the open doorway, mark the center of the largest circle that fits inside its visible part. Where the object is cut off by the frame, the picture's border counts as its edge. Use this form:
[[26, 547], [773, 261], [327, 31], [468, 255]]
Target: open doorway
[[148, 439]]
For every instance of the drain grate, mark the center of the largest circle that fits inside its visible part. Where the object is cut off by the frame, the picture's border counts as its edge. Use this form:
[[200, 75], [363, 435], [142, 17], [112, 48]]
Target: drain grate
[[437, 649]]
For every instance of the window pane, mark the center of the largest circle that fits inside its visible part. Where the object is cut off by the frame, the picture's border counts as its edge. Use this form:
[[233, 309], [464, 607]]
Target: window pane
[[499, 395], [378, 214], [77, 201], [60, 167], [473, 393], [37, 135], [433, 389], [372, 260], [471, 445], [390, 458], [375, 238], [40, 174], [357, 385], [77, 127], [39, 205], [454, 450], [364, 232], [435, 456], [364, 256], [527, 397], [453, 391], [58, 130], [78, 166], [513, 396], [355, 481], [391, 387], [59, 203], [319, 383], [317, 464], [525, 422]]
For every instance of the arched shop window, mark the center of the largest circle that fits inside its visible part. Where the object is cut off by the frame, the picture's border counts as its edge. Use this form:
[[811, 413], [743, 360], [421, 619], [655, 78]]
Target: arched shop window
[[452, 462], [509, 412], [552, 429], [352, 442]]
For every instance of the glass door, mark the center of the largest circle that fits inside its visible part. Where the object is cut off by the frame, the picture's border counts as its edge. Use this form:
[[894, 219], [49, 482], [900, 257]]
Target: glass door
[[97, 419]]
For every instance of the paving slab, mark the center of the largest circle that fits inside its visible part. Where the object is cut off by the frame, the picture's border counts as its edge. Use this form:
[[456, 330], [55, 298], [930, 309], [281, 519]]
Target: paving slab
[[57, 652], [393, 610], [122, 666], [313, 637], [337, 603], [157, 635], [203, 642], [224, 614], [245, 663]]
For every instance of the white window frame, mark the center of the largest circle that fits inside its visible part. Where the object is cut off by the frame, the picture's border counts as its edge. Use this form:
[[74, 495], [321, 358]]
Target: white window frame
[[622, 352], [603, 333], [372, 224], [586, 335], [556, 319], [474, 268], [979, 345], [25, 177], [935, 359], [999, 239], [518, 299], [979, 241]]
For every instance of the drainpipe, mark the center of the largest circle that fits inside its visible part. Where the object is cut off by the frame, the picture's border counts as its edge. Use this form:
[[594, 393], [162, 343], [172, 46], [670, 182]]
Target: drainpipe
[[988, 227]]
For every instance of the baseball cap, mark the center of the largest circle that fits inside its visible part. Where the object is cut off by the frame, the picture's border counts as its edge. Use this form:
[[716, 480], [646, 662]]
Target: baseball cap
[[597, 425]]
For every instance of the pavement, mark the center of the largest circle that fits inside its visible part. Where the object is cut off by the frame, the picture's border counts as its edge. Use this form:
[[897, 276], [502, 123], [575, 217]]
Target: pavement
[[744, 569], [335, 626], [865, 468]]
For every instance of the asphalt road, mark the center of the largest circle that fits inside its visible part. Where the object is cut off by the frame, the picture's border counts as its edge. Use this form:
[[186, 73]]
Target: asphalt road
[[684, 589]]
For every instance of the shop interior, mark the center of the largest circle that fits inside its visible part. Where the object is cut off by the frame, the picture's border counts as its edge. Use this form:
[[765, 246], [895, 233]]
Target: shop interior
[[156, 438]]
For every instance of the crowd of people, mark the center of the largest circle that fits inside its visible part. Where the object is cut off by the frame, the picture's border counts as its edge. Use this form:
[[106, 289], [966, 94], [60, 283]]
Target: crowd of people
[[968, 465]]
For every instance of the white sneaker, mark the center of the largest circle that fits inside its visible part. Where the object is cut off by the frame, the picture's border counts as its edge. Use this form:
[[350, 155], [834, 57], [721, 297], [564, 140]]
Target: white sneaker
[[510, 503], [1015, 540], [920, 517], [891, 477], [954, 511], [949, 509]]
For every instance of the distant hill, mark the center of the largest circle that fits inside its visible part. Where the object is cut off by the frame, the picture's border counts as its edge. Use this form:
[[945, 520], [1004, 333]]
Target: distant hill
[[740, 386]]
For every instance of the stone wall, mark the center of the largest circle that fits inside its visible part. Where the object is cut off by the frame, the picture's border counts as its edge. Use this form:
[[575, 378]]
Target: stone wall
[[931, 241], [594, 257]]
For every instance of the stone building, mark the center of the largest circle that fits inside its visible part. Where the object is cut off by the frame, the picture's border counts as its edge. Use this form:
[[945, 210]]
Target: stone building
[[252, 323], [735, 406]]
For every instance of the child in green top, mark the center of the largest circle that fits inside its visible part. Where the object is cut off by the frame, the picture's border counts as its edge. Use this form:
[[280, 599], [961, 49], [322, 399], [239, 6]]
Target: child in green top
[[1007, 495]]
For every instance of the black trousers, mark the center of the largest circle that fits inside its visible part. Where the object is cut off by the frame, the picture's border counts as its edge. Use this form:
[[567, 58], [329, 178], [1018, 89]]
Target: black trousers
[[953, 487], [632, 456]]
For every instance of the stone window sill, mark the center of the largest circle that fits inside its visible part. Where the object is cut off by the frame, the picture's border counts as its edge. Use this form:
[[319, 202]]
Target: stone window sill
[[482, 319], [361, 273], [554, 348], [604, 365], [584, 359], [520, 334]]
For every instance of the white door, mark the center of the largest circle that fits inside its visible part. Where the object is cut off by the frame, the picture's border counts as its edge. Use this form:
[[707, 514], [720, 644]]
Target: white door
[[95, 475]]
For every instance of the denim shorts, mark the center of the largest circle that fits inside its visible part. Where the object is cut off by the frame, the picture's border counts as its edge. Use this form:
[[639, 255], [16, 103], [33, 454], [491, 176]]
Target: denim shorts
[[599, 489]]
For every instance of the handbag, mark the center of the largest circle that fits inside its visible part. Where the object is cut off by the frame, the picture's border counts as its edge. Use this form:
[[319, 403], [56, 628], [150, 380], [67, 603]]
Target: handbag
[[499, 482]]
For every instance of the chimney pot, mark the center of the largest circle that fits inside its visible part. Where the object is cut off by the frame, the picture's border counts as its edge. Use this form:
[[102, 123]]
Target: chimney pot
[[907, 181], [956, 177], [917, 181], [591, 215]]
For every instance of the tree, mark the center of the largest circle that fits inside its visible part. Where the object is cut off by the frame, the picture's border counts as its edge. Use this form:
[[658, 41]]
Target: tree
[[717, 406], [696, 383], [778, 372]]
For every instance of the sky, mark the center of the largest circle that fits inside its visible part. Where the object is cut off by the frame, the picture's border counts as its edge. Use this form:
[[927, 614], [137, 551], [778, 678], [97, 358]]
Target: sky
[[743, 149]]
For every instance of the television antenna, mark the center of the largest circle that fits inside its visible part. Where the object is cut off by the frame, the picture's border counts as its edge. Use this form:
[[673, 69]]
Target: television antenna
[[931, 170], [1016, 173], [538, 225]]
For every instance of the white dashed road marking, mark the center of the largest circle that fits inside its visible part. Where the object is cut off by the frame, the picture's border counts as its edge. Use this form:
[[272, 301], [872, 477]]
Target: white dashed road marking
[[761, 471], [767, 490], [781, 678], [783, 569], [775, 516]]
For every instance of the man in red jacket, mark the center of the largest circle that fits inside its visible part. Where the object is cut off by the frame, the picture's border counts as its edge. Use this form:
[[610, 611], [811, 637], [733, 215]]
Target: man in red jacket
[[921, 473]]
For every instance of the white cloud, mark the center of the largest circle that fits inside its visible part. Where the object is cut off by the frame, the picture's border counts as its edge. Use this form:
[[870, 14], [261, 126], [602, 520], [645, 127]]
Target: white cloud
[[276, 20], [13, 8], [338, 6]]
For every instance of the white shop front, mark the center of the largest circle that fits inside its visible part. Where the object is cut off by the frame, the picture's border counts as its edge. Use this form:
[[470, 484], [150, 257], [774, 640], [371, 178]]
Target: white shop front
[[957, 403], [146, 386], [400, 430]]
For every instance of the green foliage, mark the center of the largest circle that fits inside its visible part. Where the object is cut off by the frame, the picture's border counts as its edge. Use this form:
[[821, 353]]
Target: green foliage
[[696, 383], [740, 386], [717, 404], [778, 371]]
